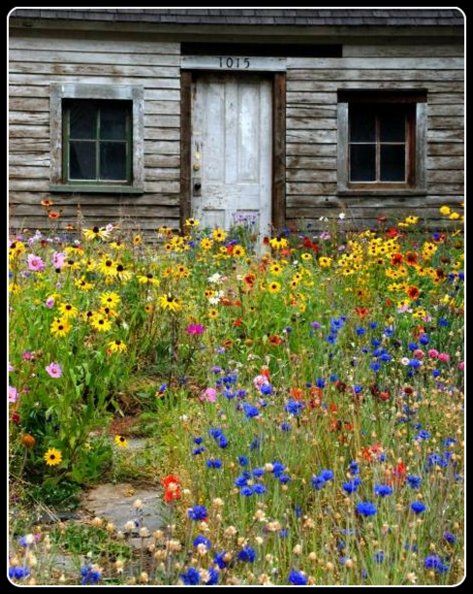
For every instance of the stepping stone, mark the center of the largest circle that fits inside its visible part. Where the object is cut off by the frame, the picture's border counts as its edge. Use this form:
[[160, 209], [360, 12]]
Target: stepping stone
[[114, 502]]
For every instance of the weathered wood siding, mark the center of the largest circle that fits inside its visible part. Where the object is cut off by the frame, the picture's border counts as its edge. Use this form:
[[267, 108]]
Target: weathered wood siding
[[311, 120], [311, 139], [35, 62]]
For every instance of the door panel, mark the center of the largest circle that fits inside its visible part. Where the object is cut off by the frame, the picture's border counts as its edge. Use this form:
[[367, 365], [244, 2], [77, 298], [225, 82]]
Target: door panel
[[231, 150]]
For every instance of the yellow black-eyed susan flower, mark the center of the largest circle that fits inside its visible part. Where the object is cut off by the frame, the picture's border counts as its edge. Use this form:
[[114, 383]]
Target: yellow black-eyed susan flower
[[53, 457]]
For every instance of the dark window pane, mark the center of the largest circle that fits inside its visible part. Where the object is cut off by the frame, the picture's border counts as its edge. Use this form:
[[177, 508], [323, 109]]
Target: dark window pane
[[82, 160], [113, 160], [362, 125], [392, 127], [113, 122], [82, 116], [362, 162], [392, 163]]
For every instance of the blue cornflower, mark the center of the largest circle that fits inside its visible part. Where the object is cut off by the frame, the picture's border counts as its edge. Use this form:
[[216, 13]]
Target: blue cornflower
[[222, 441], [357, 389], [320, 382], [432, 562], [354, 467], [424, 339], [246, 491], [413, 481], [198, 440], [449, 441], [375, 342], [259, 489], [293, 407], [318, 482], [243, 460], [449, 537], [219, 559], [351, 486], [412, 346], [285, 427], [255, 444], [202, 540], [366, 508], [417, 507], [213, 576], [242, 480], [215, 432], [424, 434], [385, 358], [379, 557], [375, 366], [250, 410], [326, 474], [283, 533], [297, 578], [383, 490], [247, 554], [298, 511], [278, 468], [257, 472], [284, 478], [191, 577], [214, 463], [17, 572], [266, 389], [90, 575], [388, 332], [373, 325], [443, 322], [414, 363], [360, 330], [241, 393], [198, 512], [333, 377]]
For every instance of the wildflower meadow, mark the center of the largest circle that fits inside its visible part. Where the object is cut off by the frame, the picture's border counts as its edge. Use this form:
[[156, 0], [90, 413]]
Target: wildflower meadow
[[298, 401]]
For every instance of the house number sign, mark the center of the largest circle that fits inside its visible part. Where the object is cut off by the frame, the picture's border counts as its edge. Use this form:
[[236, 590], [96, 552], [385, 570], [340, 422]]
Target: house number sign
[[229, 62], [248, 63]]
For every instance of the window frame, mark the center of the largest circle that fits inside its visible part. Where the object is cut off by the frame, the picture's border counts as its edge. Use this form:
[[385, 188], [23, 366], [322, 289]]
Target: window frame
[[416, 143], [59, 181]]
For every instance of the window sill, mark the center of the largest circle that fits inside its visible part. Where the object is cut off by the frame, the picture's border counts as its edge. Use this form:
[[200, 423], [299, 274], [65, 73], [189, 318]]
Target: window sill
[[401, 193], [86, 189]]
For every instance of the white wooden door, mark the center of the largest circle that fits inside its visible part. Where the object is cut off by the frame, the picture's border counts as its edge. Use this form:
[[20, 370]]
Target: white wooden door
[[231, 151]]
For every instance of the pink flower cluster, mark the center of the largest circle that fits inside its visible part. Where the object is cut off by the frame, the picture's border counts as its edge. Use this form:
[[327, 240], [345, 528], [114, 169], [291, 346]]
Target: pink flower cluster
[[195, 329]]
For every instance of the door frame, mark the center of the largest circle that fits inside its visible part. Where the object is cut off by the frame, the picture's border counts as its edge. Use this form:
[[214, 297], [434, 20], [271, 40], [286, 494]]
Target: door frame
[[278, 177]]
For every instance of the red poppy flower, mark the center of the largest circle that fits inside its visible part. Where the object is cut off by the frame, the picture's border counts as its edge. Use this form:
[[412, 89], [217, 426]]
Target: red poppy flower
[[393, 232], [238, 322], [399, 472], [169, 479], [296, 393], [275, 340], [264, 371], [362, 311]]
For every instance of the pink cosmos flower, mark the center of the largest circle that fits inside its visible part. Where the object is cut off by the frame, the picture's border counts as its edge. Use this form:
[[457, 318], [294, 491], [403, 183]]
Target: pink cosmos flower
[[54, 370], [58, 259], [433, 353], [259, 381], [27, 356], [461, 365], [444, 357], [12, 394], [49, 303], [419, 354], [10, 368], [35, 263], [209, 395], [195, 329]]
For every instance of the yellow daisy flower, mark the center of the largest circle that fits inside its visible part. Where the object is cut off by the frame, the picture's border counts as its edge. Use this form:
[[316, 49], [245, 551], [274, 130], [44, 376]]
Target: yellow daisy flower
[[278, 243], [170, 302], [274, 287], [60, 327], [68, 310], [100, 323], [206, 243], [95, 233], [117, 346], [110, 299], [121, 441], [53, 457], [219, 235]]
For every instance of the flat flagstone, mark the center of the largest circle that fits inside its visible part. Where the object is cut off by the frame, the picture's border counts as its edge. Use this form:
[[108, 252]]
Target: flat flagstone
[[114, 502]]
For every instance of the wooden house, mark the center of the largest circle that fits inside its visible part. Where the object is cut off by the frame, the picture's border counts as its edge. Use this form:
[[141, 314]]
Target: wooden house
[[275, 116]]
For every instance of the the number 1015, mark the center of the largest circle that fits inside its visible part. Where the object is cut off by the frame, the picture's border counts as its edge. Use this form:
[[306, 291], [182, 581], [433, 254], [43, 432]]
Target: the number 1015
[[234, 62]]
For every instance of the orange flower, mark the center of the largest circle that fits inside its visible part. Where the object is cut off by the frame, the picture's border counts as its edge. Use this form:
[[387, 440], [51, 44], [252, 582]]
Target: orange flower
[[172, 487], [47, 203], [54, 214], [411, 258], [413, 292], [297, 393], [396, 259], [362, 311], [28, 441], [275, 340]]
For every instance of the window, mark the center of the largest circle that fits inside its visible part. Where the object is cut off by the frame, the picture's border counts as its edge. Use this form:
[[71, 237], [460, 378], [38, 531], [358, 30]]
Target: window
[[97, 138], [381, 142], [97, 141]]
